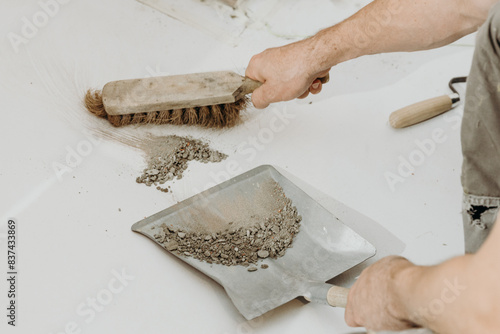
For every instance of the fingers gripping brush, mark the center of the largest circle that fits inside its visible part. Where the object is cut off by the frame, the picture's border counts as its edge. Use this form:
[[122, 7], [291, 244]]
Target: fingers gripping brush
[[212, 99]]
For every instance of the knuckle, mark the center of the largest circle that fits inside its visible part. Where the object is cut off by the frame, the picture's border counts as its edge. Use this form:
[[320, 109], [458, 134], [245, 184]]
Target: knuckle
[[350, 319], [258, 100], [255, 58]]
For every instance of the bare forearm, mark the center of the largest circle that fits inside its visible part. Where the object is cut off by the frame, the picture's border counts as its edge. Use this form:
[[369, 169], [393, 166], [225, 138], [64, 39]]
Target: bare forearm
[[458, 296], [433, 296], [397, 25], [291, 71]]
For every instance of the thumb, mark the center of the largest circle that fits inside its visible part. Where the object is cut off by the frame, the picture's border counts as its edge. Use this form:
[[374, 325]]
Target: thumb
[[260, 97], [349, 315]]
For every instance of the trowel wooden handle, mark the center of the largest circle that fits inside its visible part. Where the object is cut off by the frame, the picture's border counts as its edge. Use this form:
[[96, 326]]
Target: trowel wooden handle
[[337, 296], [420, 111]]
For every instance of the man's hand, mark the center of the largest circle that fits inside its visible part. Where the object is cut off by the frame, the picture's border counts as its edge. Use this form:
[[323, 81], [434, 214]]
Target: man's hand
[[374, 301], [291, 71], [457, 296], [286, 72]]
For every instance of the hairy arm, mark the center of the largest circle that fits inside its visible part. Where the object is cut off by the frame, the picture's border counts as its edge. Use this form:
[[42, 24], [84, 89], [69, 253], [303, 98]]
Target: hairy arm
[[382, 26], [396, 25], [458, 296]]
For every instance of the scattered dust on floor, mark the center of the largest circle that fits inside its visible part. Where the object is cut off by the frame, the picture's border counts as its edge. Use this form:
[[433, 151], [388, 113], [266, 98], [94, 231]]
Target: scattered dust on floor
[[241, 236], [167, 158]]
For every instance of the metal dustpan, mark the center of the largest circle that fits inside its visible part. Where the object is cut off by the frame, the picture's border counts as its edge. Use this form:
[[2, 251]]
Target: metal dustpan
[[323, 249]]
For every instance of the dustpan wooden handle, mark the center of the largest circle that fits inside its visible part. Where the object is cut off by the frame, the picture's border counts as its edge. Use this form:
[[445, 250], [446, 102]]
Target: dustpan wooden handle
[[337, 296], [420, 111]]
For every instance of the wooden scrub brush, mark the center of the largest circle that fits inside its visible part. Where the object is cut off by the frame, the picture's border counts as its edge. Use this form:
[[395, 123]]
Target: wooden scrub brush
[[212, 99]]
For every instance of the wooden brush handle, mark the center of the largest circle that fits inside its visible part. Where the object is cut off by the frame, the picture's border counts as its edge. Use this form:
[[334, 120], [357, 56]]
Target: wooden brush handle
[[420, 111], [249, 85], [337, 296], [325, 79]]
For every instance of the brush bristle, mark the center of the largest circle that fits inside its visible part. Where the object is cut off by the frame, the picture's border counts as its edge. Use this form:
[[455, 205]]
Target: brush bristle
[[93, 103], [216, 116]]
